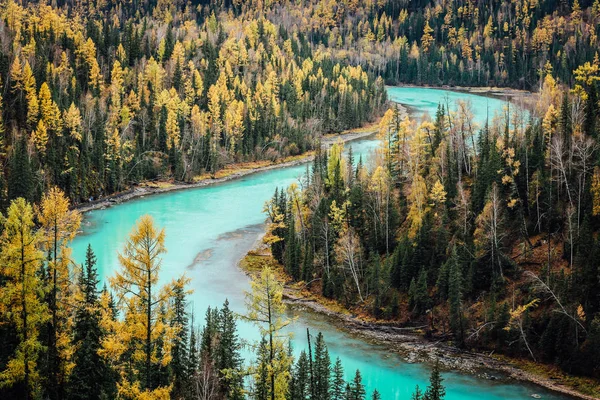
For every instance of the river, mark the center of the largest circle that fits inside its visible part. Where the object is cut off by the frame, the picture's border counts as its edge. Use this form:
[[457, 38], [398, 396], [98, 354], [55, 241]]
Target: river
[[209, 229]]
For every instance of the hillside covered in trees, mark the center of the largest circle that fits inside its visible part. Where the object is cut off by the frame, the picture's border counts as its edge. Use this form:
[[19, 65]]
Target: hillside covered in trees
[[486, 234], [98, 96]]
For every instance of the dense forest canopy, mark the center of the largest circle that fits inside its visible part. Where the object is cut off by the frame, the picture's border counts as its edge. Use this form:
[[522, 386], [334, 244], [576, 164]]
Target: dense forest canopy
[[487, 235]]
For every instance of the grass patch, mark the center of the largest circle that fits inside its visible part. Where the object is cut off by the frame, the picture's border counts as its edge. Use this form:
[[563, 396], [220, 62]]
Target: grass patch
[[157, 184]]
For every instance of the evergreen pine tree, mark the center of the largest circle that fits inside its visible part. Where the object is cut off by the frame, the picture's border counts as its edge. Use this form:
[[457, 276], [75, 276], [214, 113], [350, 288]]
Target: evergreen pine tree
[[357, 389], [321, 369], [455, 300], [229, 361], [301, 378], [376, 395], [337, 382], [418, 394], [90, 372], [435, 390], [20, 181], [261, 376], [179, 352]]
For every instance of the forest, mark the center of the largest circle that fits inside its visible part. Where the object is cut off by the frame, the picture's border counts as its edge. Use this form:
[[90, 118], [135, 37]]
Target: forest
[[485, 234]]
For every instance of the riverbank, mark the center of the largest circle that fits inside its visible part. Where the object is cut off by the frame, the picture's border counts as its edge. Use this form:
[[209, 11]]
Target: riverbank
[[233, 171], [410, 342]]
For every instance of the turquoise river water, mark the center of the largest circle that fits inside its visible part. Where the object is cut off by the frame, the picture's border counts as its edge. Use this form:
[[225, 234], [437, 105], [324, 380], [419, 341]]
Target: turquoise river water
[[209, 229]]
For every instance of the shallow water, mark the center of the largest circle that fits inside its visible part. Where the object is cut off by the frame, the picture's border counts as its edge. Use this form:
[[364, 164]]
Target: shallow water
[[209, 229], [425, 101]]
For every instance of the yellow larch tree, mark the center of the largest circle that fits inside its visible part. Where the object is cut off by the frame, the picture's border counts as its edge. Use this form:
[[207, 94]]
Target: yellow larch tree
[[234, 123], [266, 309], [49, 111], [72, 122], [58, 226], [39, 137], [427, 39], [29, 85], [22, 296], [141, 300], [418, 207]]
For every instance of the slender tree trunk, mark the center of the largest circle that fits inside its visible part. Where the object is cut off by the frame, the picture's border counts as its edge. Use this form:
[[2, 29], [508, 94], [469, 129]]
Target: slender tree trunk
[[148, 330], [24, 316]]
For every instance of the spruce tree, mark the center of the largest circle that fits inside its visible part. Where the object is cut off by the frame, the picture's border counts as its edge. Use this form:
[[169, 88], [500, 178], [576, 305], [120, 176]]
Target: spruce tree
[[418, 394], [179, 352], [357, 389], [455, 301], [261, 375], [301, 378], [193, 361], [20, 181], [337, 382], [229, 360], [90, 372], [321, 369], [435, 390]]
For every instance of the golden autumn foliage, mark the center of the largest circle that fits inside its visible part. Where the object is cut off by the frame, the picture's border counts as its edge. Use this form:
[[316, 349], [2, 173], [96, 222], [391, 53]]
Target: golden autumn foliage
[[22, 296], [59, 225], [144, 306], [266, 309]]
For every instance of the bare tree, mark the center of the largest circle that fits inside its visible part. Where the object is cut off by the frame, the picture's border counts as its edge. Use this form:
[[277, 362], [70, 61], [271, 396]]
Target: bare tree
[[348, 251], [489, 235], [206, 382], [543, 287], [583, 150]]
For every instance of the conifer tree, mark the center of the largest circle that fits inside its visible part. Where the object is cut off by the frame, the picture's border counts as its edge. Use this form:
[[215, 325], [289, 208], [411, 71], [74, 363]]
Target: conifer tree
[[267, 310], [22, 294], [89, 372], [300, 384], [229, 361], [143, 304], [59, 225], [180, 351], [357, 389], [321, 369], [435, 390], [20, 180], [338, 383], [455, 300]]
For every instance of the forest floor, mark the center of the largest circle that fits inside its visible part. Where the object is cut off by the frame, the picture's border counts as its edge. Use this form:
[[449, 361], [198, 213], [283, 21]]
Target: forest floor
[[230, 172], [412, 344]]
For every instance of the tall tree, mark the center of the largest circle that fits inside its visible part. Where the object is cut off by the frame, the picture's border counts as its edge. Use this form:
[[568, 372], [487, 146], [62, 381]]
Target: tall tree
[[89, 373], [180, 351], [21, 297], [266, 309], [141, 300], [337, 382], [229, 360], [59, 225]]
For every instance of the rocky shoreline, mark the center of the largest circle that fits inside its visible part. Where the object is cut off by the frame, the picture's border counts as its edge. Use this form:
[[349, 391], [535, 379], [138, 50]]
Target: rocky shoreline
[[414, 348]]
